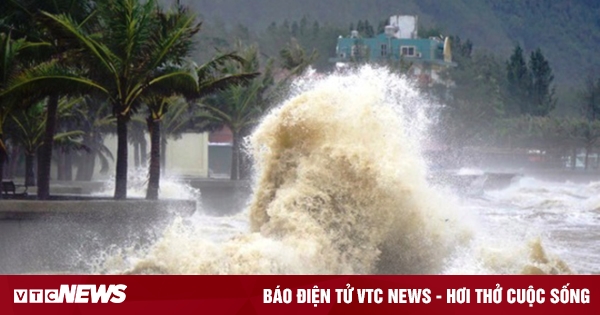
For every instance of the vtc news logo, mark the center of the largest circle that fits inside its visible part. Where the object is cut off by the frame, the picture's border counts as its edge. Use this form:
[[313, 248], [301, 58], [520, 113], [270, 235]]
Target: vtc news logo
[[82, 293]]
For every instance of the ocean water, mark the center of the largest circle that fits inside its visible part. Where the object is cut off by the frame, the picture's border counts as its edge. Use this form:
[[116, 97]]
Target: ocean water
[[564, 216], [340, 187]]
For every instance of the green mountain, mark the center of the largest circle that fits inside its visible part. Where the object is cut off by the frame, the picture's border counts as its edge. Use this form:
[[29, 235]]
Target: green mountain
[[568, 31]]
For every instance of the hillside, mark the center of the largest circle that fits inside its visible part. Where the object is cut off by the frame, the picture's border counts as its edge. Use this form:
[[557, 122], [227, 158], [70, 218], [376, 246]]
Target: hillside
[[568, 31]]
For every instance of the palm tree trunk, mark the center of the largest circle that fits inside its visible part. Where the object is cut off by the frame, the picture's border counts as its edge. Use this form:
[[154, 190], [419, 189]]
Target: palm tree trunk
[[587, 156], [68, 166], [13, 161], [163, 154], [235, 155], [136, 154], [121, 176], [86, 163], [45, 158], [143, 152], [85, 170], [29, 173], [81, 166], [155, 159], [91, 167], [60, 165]]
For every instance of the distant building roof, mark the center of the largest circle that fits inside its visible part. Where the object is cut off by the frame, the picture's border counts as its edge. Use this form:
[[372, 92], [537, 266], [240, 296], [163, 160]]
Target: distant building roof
[[383, 47], [399, 41], [222, 135]]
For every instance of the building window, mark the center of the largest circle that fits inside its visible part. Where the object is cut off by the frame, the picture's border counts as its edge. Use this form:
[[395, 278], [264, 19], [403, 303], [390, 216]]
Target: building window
[[408, 51], [383, 50]]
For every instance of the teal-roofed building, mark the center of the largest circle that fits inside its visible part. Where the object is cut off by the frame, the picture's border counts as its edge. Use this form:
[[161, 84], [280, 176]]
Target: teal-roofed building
[[427, 57]]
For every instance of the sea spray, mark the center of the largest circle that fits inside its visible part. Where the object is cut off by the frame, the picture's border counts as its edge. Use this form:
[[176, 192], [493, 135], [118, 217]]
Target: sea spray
[[336, 164], [171, 186]]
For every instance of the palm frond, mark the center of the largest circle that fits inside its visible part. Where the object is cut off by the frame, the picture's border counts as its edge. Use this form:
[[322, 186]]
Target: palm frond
[[168, 82], [68, 134], [69, 141], [73, 36], [173, 36], [295, 58], [218, 65], [220, 84], [46, 79]]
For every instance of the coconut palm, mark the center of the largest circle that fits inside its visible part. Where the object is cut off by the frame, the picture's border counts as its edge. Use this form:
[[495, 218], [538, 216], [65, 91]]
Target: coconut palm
[[27, 129], [241, 106], [295, 59], [137, 137], [125, 55], [46, 80], [28, 132], [172, 110], [95, 120], [22, 17], [13, 56]]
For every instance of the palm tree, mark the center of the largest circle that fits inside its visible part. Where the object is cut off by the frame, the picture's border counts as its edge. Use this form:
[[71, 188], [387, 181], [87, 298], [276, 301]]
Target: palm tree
[[241, 106], [157, 108], [95, 120], [137, 137], [295, 59], [125, 55], [29, 132], [9, 50], [22, 17], [13, 54], [26, 133], [46, 80], [172, 110]]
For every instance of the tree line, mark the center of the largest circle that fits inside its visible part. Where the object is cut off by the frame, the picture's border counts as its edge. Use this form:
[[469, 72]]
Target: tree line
[[512, 104]]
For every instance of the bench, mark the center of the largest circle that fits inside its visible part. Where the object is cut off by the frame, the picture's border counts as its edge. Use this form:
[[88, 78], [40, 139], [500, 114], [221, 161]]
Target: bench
[[10, 187]]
